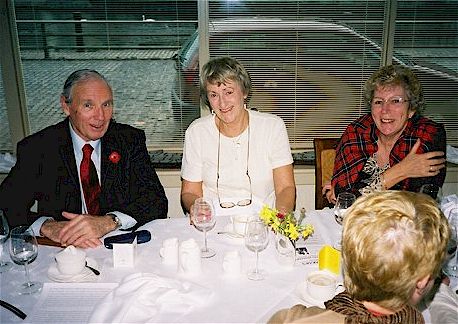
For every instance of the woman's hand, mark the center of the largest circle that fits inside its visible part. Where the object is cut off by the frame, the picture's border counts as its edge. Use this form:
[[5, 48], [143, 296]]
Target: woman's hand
[[328, 192], [422, 165]]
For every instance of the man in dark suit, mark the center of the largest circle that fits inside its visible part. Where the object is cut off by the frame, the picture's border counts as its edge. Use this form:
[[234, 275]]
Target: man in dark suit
[[49, 171]]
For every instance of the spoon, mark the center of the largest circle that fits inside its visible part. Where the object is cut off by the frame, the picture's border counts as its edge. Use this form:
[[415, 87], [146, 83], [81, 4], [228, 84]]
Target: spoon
[[95, 271]]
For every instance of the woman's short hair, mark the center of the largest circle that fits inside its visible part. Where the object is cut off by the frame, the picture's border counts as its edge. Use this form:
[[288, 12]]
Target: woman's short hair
[[77, 77], [391, 240], [394, 75], [220, 70]]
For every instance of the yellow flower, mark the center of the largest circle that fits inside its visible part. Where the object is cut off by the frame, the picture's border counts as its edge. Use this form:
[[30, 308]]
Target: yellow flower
[[285, 224]]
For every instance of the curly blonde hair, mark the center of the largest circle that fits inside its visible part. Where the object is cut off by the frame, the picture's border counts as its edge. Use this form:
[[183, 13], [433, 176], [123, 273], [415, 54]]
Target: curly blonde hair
[[391, 240]]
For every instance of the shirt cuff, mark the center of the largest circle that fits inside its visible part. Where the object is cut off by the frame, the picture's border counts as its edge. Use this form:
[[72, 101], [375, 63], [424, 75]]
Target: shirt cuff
[[126, 220], [36, 225]]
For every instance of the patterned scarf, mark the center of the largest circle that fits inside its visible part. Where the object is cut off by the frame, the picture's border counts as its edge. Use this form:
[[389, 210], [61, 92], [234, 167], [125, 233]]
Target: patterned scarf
[[356, 313]]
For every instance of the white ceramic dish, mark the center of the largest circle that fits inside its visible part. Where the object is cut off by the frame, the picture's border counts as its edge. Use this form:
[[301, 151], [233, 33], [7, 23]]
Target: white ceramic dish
[[304, 295], [84, 276], [234, 238]]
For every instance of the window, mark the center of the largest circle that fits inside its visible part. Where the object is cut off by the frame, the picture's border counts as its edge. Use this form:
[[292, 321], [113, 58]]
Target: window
[[309, 59]]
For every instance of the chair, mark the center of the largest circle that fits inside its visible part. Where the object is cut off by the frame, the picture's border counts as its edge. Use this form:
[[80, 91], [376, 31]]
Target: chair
[[325, 154]]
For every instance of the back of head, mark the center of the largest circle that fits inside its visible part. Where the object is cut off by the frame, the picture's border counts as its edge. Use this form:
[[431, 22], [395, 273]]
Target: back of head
[[391, 240], [396, 75], [220, 70], [78, 77]]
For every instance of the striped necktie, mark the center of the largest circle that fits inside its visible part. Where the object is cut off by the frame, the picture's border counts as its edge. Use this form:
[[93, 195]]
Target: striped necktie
[[90, 181]]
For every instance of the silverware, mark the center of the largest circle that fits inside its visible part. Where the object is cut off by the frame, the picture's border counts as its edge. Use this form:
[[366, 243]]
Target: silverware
[[13, 309], [95, 271], [233, 234]]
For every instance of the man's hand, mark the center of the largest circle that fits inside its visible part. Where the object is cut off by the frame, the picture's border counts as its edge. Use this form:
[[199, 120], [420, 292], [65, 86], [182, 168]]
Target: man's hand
[[84, 230]]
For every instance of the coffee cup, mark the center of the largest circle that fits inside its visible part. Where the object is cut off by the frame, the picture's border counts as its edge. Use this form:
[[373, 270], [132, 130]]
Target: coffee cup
[[322, 285], [169, 251], [71, 260], [239, 223], [190, 257], [232, 263]]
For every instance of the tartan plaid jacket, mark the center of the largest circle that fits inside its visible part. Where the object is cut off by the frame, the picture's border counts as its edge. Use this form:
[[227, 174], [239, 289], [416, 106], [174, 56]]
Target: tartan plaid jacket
[[359, 142]]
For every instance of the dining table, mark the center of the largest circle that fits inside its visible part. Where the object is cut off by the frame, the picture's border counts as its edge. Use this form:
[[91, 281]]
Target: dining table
[[211, 296]]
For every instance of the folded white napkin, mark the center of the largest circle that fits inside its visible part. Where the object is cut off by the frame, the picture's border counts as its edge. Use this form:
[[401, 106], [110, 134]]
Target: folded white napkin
[[142, 297], [452, 154], [448, 203]]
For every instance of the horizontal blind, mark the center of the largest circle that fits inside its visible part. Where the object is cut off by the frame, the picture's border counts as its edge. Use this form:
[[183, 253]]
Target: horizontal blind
[[308, 59], [132, 43], [427, 33]]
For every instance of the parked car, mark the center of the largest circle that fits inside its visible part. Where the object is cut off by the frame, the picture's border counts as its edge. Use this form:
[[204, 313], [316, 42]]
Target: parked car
[[322, 70]]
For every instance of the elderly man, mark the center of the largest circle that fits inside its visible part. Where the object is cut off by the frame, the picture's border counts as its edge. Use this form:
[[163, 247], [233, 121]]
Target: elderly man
[[88, 174]]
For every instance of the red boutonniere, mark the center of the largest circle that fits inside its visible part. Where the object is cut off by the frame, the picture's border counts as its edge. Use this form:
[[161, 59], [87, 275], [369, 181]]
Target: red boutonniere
[[114, 157]]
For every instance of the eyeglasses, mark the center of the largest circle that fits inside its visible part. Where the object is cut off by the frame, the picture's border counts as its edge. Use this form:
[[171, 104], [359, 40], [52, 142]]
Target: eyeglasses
[[243, 202], [393, 101]]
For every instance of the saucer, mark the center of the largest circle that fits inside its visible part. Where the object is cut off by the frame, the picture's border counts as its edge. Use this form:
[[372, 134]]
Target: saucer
[[84, 276], [305, 296]]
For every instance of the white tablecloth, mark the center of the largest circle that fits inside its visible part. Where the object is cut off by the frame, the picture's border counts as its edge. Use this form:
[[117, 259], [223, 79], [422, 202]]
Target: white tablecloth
[[233, 299]]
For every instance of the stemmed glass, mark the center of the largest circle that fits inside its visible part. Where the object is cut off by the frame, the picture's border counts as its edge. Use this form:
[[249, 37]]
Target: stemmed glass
[[24, 250], [256, 240], [344, 201], [451, 267], [4, 231], [203, 217]]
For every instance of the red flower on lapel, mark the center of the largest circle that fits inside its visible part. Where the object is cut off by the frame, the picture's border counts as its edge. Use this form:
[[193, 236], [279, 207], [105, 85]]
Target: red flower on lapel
[[114, 157]]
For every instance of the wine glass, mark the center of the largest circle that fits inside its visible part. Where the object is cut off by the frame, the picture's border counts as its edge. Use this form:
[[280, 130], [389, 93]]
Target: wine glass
[[344, 201], [256, 239], [24, 250], [432, 190], [203, 218], [4, 231], [451, 266]]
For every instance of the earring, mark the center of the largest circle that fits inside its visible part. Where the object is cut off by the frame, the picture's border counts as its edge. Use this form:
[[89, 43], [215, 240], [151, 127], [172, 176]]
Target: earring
[[212, 112]]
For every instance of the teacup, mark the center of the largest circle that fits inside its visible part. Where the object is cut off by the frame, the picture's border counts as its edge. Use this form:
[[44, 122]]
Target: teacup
[[71, 260], [322, 285], [239, 223], [232, 263], [190, 257], [169, 251]]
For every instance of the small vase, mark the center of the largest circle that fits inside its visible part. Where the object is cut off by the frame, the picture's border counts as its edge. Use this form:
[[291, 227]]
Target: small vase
[[286, 250]]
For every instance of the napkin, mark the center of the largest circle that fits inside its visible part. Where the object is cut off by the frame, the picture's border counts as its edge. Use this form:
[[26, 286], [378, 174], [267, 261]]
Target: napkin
[[448, 203], [143, 297], [452, 154]]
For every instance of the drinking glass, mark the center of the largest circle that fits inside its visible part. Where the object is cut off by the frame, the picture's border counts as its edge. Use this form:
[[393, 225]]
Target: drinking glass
[[24, 250], [4, 231], [344, 201], [203, 217], [432, 190], [256, 240], [451, 266]]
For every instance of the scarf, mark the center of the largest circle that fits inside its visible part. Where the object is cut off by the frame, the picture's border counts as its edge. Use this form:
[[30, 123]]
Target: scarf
[[356, 313]]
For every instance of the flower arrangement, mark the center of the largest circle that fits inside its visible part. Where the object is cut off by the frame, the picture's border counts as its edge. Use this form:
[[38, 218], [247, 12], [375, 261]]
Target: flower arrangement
[[285, 224]]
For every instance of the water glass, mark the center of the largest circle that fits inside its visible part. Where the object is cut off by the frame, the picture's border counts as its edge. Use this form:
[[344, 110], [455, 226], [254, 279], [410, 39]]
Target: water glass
[[256, 240], [343, 202], [4, 232], [203, 218]]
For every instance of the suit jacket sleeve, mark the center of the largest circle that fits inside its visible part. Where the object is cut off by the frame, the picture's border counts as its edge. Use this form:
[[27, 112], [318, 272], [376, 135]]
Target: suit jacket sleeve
[[135, 188]]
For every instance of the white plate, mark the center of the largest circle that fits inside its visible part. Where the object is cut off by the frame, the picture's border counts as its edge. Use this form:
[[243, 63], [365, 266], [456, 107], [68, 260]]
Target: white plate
[[84, 276], [304, 295]]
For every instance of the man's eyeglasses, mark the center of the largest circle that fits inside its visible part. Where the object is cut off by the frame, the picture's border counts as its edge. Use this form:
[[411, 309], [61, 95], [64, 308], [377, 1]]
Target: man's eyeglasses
[[393, 101], [243, 202]]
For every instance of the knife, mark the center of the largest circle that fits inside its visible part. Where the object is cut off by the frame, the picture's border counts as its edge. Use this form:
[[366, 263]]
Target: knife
[[13, 309]]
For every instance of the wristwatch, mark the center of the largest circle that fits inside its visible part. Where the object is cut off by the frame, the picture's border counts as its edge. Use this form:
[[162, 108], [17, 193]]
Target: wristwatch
[[115, 220]]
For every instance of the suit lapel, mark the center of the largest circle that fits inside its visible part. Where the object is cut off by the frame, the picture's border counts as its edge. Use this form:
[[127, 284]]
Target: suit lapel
[[109, 169], [67, 154]]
